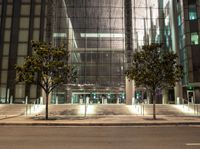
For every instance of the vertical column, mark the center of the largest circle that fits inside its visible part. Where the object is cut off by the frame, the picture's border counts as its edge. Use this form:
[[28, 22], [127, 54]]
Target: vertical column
[[50, 20], [128, 47], [30, 37], [42, 19], [152, 34], [130, 92], [175, 41], [128, 31], [165, 93], [2, 33], [2, 29], [13, 48], [42, 31], [161, 20]]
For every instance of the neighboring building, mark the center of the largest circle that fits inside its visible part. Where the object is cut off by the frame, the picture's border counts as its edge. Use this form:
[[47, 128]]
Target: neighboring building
[[20, 22], [188, 16], [101, 36]]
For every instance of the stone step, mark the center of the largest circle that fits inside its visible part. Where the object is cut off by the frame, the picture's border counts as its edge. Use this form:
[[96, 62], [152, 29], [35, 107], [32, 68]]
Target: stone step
[[108, 109]]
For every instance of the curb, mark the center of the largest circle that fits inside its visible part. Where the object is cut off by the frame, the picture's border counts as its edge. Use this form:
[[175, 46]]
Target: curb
[[102, 124]]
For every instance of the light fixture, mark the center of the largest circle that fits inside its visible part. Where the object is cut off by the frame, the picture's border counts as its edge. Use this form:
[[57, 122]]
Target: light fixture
[[102, 35]]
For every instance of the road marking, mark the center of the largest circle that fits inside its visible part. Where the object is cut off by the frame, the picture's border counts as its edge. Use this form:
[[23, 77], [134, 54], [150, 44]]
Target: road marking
[[193, 144]]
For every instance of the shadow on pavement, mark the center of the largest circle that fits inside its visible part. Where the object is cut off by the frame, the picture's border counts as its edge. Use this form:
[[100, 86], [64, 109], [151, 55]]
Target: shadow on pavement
[[66, 118], [9, 117]]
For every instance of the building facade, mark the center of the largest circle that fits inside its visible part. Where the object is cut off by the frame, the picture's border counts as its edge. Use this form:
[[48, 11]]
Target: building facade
[[101, 36], [188, 13]]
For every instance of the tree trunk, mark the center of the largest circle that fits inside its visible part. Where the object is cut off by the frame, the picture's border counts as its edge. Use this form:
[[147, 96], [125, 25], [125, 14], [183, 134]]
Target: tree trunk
[[154, 105], [47, 102]]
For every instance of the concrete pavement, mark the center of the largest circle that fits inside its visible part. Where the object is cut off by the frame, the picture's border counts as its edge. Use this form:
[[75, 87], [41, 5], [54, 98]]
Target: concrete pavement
[[106, 120], [99, 115]]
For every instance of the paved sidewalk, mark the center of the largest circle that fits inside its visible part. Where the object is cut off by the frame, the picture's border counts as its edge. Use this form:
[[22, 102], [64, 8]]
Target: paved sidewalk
[[104, 120]]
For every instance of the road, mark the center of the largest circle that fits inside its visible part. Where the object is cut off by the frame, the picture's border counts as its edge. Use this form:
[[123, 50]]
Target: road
[[41, 137]]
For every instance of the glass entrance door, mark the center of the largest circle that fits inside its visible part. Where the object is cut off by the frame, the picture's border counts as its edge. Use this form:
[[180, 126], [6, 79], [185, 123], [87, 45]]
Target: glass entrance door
[[97, 98]]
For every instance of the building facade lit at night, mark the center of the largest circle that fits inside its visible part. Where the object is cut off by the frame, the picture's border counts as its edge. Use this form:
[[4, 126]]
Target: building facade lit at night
[[101, 36]]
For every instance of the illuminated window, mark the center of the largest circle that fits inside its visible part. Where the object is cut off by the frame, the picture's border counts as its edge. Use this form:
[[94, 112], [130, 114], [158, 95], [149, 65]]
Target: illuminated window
[[25, 10], [179, 20], [9, 10], [37, 9], [22, 49], [2, 93], [4, 75], [8, 23], [24, 22], [192, 12], [23, 35], [6, 49], [19, 91], [4, 62], [194, 38]]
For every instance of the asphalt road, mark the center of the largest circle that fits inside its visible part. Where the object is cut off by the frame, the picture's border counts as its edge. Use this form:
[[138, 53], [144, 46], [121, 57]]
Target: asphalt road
[[172, 137]]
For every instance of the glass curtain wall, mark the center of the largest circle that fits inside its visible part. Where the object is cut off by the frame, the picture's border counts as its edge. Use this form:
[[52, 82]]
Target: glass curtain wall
[[95, 36], [94, 33]]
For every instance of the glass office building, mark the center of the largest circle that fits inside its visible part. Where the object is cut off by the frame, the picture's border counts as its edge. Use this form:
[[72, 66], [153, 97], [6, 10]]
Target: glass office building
[[188, 12], [101, 36]]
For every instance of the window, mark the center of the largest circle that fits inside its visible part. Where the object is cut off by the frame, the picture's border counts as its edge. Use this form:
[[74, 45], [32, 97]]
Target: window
[[179, 20], [192, 12], [23, 36], [8, 23], [19, 91], [4, 76], [36, 34], [5, 63], [24, 22], [2, 93], [22, 49], [36, 22], [37, 9], [9, 10], [25, 10], [7, 35], [33, 91], [194, 38], [5, 49], [20, 60]]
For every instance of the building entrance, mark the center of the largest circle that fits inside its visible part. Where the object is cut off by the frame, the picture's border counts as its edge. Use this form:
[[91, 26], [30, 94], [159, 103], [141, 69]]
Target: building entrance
[[190, 96], [97, 98], [58, 98]]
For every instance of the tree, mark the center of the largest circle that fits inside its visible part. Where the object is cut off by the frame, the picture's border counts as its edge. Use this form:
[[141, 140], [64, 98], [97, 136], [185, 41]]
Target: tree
[[48, 67], [154, 68]]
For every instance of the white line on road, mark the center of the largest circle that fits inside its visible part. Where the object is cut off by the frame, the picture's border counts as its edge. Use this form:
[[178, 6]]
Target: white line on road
[[193, 144]]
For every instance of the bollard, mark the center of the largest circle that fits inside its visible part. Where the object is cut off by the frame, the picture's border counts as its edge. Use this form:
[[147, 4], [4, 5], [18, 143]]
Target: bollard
[[143, 109], [11, 99]]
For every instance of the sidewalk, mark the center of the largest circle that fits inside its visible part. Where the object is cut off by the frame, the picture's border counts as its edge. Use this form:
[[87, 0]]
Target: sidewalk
[[100, 120]]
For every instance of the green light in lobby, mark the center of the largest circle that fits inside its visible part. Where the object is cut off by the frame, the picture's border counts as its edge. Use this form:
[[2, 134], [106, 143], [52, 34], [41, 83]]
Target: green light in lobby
[[190, 88], [108, 95], [94, 95], [123, 95]]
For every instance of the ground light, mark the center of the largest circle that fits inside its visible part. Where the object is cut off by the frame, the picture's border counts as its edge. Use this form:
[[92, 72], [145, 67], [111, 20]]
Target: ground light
[[87, 109], [185, 109], [34, 109], [137, 109]]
